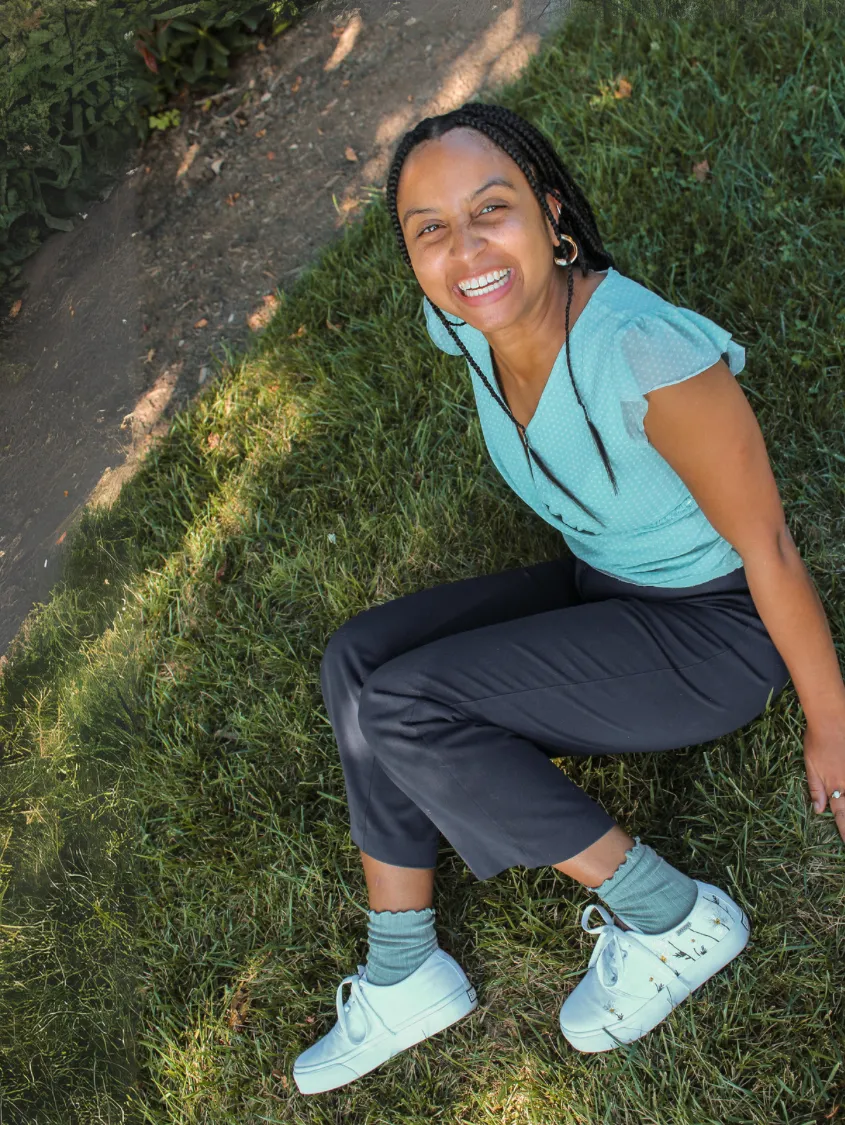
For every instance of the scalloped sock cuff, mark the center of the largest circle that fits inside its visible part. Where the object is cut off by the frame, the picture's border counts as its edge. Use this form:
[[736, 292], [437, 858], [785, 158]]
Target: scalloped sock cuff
[[400, 941], [648, 893]]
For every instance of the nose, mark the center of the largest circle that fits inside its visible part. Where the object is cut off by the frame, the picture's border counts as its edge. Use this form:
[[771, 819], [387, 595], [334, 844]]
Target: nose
[[466, 243]]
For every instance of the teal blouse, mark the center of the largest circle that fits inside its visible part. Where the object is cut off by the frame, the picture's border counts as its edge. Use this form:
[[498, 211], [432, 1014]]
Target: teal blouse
[[626, 342]]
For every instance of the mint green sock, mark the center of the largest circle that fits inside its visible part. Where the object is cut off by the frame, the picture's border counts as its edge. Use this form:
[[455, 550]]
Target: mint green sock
[[648, 893], [399, 943]]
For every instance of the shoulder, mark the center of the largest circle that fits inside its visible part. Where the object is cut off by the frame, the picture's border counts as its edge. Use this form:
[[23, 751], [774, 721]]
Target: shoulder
[[439, 333]]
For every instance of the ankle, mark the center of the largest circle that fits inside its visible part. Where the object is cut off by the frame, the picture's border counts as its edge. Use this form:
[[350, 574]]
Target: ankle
[[400, 941]]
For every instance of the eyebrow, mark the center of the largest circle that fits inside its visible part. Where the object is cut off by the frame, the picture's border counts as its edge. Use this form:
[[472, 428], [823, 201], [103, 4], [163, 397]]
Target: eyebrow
[[496, 181]]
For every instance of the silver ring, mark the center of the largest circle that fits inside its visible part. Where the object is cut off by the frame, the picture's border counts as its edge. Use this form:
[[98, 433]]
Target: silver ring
[[836, 793]]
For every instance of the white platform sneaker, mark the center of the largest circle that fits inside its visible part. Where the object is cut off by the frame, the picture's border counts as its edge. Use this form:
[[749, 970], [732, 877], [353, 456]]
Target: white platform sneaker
[[634, 980], [379, 1021]]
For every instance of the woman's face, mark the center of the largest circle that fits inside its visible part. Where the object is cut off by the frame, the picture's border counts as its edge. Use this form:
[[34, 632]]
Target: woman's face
[[467, 211]]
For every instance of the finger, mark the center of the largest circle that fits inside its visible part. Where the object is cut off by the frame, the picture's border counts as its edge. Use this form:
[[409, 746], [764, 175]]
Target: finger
[[817, 789], [839, 813]]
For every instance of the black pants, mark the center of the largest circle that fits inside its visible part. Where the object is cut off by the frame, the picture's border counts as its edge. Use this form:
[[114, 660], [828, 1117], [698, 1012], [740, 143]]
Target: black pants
[[449, 704]]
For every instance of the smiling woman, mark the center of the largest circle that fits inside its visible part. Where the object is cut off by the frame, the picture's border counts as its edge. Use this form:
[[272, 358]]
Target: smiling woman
[[680, 611], [519, 301]]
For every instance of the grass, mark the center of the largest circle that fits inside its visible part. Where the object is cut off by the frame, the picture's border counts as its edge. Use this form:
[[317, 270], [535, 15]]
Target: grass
[[179, 892]]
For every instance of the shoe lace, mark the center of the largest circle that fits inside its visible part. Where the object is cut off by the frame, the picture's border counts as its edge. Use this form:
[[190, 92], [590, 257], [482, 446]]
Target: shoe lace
[[611, 949], [356, 996]]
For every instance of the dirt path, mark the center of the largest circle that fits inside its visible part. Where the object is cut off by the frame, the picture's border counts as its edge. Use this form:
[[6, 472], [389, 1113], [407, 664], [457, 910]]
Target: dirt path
[[124, 316]]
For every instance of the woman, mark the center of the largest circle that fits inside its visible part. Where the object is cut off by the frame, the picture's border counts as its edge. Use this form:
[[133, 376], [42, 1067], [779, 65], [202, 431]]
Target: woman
[[682, 610]]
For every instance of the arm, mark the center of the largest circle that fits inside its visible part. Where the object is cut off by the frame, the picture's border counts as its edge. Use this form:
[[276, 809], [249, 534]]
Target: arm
[[706, 430]]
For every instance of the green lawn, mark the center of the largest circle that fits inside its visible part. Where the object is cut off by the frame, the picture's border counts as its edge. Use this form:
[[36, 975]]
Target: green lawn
[[180, 896]]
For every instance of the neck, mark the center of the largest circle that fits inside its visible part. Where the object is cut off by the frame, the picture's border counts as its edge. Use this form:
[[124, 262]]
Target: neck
[[525, 352]]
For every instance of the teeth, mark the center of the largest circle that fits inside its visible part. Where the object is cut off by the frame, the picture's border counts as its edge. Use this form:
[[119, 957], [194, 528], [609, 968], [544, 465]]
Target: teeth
[[482, 280]]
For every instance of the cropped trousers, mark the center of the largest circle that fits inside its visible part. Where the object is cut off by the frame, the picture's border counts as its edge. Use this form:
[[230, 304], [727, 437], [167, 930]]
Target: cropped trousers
[[449, 704]]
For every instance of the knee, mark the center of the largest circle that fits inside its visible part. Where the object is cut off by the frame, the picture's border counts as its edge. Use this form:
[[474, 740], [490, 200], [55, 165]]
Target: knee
[[343, 657], [335, 654], [385, 708]]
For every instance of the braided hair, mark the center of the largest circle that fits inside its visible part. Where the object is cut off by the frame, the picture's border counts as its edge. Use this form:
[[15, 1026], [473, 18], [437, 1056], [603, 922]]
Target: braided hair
[[545, 172]]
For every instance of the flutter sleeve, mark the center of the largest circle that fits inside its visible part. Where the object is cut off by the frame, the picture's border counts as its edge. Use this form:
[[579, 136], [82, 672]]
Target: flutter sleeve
[[667, 346]]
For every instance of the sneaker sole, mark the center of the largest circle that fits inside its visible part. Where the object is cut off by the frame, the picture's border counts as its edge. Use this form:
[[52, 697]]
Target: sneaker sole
[[333, 1075], [656, 1010]]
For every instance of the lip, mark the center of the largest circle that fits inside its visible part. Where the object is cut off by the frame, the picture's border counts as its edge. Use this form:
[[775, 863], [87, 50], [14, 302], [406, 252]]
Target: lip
[[487, 298]]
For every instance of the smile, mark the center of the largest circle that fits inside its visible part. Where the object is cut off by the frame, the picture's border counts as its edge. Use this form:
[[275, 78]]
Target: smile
[[485, 283]]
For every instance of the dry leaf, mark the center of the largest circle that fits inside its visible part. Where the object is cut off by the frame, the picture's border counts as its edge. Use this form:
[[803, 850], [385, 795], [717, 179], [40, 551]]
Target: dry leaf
[[623, 88], [700, 171], [217, 164], [15, 309], [262, 46], [295, 87], [230, 199], [271, 156], [213, 441], [60, 540], [201, 323], [299, 332], [350, 153], [150, 355], [66, 492], [333, 327], [261, 133], [330, 106], [239, 1009], [345, 82]]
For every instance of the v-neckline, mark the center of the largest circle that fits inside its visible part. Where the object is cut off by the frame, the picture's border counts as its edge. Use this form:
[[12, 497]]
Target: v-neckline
[[562, 352]]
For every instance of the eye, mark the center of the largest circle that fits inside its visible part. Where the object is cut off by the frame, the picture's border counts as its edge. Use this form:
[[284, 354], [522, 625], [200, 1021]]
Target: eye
[[493, 205], [429, 227]]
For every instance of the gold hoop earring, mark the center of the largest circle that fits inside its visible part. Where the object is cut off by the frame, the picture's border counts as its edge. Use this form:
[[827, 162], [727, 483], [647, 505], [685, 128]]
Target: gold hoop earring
[[567, 261]]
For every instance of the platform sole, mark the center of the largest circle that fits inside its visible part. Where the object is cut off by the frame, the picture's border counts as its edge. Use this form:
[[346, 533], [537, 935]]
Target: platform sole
[[330, 1076], [607, 1037]]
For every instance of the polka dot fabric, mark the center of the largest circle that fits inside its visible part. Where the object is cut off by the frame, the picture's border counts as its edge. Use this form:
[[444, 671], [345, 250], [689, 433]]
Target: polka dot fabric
[[626, 342]]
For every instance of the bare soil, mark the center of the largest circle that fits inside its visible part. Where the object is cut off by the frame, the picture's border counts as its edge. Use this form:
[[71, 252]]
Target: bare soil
[[125, 317]]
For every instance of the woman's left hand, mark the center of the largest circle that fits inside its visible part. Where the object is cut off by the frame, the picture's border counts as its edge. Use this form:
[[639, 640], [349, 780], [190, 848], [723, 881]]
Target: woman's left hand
[[824, 757]]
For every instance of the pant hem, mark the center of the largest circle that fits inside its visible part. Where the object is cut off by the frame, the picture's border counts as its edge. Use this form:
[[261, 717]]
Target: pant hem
[[399, 853]]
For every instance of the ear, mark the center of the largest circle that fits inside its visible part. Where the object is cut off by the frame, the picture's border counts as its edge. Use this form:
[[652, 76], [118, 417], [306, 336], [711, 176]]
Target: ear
[[555, 207]]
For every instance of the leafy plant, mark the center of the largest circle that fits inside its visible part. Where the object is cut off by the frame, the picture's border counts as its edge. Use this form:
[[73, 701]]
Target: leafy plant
[[81, 80], [167, 119]]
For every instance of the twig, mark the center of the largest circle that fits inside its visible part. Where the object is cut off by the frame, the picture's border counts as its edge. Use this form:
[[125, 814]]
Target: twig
[[220, 96]]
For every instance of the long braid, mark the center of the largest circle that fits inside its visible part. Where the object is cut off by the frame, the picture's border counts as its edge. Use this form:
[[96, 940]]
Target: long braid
[[544, 171]]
